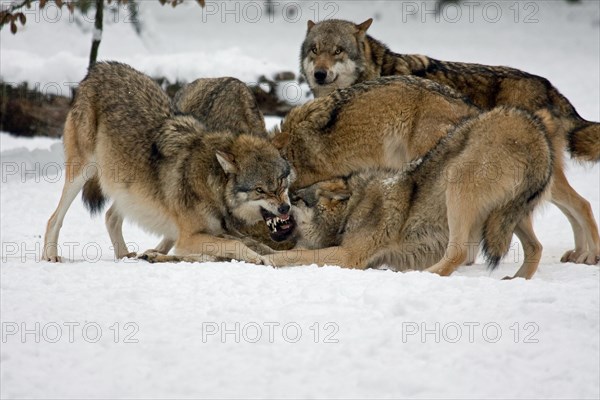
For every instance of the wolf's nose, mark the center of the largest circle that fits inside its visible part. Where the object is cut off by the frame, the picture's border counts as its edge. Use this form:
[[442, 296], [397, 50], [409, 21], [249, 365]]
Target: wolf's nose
[[320, 75], [284, 208]]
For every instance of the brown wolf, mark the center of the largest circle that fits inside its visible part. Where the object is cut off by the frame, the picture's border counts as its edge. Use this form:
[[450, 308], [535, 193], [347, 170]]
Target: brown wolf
[[336, 54], [222, 104], [123, 140], [432, 214], [385, 123]]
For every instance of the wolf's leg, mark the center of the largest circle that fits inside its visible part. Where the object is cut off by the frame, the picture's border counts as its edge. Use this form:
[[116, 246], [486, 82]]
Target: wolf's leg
[[165, 245], [255, 245], [201, 243], [74, 182], [460, 225], [531, 247], [579, 213], [156, 257], [473, 247], [114, 225], [338, 255]]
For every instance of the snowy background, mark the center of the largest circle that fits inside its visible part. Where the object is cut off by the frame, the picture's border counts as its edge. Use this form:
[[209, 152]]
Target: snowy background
[[93, 327]]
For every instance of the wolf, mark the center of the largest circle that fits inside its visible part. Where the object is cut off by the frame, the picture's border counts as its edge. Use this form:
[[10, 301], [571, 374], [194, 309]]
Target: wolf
[[222, 104], [388, 123], [124, 140], [337, 54], [227, 104], [429, 215]]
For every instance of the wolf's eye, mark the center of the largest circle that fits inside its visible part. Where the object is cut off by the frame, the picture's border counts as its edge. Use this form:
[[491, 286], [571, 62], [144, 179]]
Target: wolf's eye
[[314, 50], [338, 51], [259, 190]]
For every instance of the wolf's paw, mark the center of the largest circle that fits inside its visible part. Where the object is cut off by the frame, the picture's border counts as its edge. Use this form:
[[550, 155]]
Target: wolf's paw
[[588, 258], [133, 254], [260, 260], [440, 270], [151, 256], [580, 257], [52, 259]]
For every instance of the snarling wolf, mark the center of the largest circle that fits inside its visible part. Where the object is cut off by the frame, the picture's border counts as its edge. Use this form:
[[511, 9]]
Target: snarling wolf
[[430, 215], [125, 141], [227, 104], [337, 54]]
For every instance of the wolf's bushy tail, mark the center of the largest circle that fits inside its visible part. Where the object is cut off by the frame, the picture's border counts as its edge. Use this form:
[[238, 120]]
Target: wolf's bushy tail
[[584, 142], [92, 196], [583, 137], [499, 227]]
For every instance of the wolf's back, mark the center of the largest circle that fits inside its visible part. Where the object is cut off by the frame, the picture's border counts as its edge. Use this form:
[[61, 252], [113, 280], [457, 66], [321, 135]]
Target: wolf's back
[[125, 105], [222, 104], [123, 100]]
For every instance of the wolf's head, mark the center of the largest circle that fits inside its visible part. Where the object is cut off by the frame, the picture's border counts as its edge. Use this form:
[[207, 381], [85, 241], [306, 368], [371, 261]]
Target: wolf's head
[[332, 55], [320, 211], [258, 183]]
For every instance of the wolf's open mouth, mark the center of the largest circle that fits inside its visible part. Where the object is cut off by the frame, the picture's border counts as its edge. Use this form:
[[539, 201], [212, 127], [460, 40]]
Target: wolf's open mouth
[[280, 227]]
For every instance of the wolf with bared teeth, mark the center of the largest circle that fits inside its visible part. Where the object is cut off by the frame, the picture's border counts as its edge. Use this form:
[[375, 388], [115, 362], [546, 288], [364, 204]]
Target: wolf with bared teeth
[[165, 171]]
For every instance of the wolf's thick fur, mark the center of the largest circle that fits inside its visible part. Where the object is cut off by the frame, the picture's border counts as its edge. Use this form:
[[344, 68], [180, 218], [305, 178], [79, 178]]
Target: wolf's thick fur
[[124, 141], [343, 54], [222, 104], [226, 104], [462, 193], [396, 120], [347, 55]]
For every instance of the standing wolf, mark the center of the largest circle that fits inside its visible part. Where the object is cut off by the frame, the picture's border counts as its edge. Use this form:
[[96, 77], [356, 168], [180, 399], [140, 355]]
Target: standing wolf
[[124, 141], [336, 54], [436, 211]]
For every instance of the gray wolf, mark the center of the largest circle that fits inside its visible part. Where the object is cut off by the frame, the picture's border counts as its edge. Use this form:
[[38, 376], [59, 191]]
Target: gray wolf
[[430, 215], [227, 104], [337, 54], [222, 104], [124, 140]]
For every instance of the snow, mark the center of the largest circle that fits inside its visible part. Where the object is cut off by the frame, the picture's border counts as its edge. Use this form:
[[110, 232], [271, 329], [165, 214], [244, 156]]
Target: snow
[[177, 323]]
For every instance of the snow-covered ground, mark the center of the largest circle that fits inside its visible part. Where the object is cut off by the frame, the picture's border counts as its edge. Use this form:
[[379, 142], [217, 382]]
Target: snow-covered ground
[[93, 327]]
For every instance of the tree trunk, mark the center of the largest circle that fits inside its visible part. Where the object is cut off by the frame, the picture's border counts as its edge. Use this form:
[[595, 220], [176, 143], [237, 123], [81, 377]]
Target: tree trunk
[[97, 35]]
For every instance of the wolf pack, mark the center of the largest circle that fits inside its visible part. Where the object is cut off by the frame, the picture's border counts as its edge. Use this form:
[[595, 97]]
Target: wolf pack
[[401, 162]]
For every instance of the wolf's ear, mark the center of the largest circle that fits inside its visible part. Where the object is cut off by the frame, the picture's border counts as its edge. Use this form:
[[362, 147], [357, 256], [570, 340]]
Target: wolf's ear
[[281, 140], [310, 25], [227, 162], [365, 25]]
